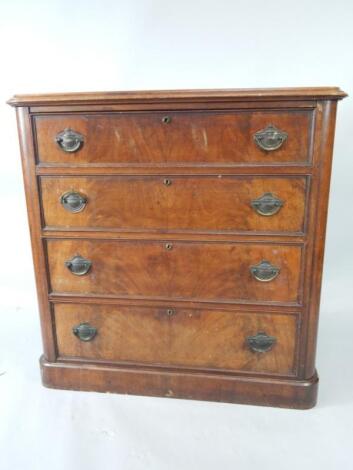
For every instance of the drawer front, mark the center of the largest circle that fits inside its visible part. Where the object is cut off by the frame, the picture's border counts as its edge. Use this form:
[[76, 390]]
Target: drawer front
[[178, 270], [177, 203], [192, 338], [175, 137]]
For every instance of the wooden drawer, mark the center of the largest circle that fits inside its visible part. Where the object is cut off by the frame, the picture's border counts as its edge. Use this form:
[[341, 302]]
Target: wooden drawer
[[180, 203], [176, 270], [191, 338], [184, 137]]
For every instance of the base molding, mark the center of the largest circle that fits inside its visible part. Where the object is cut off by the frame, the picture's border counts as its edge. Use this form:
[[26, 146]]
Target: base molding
[[284, 393]]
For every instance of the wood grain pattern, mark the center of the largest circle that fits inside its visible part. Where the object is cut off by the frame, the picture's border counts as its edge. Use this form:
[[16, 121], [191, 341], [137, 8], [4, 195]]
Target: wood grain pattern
[[198, 271], [314, 269], [208, 152], [178, 170], [33, 211], [190, 137], [198, 204], [55, 298], [193, 96], [189, 338], [229, 388], [179, 105]]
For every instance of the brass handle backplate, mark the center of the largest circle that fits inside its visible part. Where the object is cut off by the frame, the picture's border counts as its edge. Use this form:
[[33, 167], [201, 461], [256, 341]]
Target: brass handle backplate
[[267, 204], [261, 342], [69, 140], [73, 201], [264, 271], [78, 265], [270, 138], [84, 331]]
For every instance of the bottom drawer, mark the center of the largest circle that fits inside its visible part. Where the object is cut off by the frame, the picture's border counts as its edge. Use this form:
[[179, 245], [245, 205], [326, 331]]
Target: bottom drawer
[[191, 338]]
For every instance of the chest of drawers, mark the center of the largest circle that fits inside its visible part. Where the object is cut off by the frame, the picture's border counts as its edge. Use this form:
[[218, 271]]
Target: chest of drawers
[[178, 239]]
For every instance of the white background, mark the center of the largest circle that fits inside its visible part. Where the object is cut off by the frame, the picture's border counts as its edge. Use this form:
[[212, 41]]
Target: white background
[[54, 46]]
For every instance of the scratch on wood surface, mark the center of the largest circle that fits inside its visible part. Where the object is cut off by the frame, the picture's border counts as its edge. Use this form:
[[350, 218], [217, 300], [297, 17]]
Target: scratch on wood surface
[[200, 136], [117, 135], [205, 141]]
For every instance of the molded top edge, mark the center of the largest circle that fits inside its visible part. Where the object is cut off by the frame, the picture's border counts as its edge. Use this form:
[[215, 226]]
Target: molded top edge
[[155, 96]]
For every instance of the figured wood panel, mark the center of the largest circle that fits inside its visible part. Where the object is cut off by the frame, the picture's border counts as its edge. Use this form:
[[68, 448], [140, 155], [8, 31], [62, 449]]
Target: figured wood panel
[[189, 337], [191, 137], [217, 204], [124, 135], [190, 270]]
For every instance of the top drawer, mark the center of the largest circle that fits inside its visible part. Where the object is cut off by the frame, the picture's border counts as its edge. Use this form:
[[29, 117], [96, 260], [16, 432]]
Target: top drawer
[[178, 137]]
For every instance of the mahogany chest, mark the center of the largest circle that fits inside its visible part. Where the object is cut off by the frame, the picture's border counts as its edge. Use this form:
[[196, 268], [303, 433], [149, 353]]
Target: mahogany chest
[[178, 239]]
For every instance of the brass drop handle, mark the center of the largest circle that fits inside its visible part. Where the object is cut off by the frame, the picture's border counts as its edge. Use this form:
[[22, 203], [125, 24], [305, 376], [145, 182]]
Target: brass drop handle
[[270, 138], [78, 265], [261, 342], [69, 140], [264, 271], [84, 331], [73, 201], [267, 204]]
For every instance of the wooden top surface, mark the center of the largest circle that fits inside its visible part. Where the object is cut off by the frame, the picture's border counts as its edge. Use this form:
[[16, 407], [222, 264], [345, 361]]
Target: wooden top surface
[[154, 96]]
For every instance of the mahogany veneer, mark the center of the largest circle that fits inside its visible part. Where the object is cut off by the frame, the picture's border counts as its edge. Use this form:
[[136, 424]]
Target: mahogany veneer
[[178, 239], [194, 338], [213, 271], [189, 203], [194, 137]]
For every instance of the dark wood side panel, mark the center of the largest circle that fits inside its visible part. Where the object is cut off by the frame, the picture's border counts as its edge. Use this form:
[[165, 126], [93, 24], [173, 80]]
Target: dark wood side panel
[[189, 270], [323, 162], [34, 219], [189, 137], [179, 203], [179, 337]]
